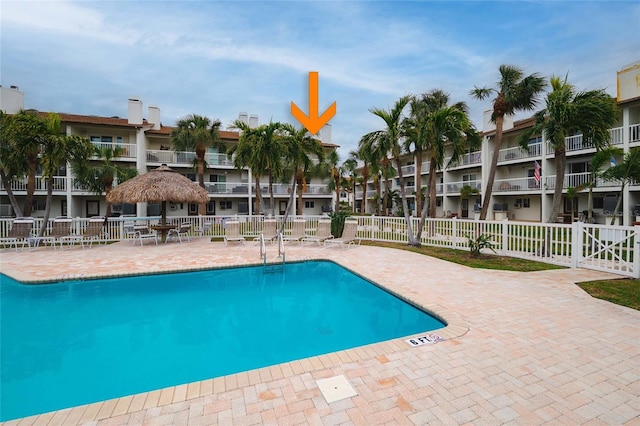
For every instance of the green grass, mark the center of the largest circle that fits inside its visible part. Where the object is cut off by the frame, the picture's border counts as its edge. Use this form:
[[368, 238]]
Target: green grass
[[624, 291], [485, 261]]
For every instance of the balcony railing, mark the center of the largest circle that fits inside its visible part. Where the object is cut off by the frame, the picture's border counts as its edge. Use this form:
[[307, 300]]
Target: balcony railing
[[127, 150], [517, 153], [408, 170], [575, 180], [518, 184], [455, 187], [634, 133], [59, 184], [467, 159], [186, 158]]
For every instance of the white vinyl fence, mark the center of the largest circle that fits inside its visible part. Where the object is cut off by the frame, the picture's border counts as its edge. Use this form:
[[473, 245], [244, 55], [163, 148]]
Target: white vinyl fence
[[578, 245]]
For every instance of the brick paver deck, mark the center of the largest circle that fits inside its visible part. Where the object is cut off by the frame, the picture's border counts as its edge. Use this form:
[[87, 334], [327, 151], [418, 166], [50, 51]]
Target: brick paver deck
[[521, 348]]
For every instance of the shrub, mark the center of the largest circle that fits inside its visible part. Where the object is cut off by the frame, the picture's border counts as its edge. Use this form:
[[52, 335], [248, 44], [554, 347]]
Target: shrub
[[481, 242]]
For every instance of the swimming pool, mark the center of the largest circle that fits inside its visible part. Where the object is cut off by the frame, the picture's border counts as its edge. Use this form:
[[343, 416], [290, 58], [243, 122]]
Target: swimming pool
[[77, 342]]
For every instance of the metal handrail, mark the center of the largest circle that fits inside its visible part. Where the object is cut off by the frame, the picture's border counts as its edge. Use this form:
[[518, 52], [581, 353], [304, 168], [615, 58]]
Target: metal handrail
[[281, 247], [263, 250]]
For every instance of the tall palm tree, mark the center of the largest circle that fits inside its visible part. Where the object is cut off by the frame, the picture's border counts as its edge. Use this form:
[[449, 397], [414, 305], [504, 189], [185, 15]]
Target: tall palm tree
[[514, 92], [23, 133], [365, 157], [260, 149], [56, 150], [350, 170], [10, 167], [99, 175], [332, 165], [626, 172], [197, 133], [388, 141], [567, 112], [300, 147]]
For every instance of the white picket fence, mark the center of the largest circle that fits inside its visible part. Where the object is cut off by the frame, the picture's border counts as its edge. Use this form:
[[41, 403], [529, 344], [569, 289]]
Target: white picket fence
[[578, 245]]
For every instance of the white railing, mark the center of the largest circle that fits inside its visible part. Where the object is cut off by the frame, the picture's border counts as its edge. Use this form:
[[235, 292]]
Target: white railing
[[455, 187], [634, 133], [517, 153], [127, 150], [602, 247], [186, 158], [517, 184], [617, 135], [408, 170], [466, 160], [59, 184], [575, 180]]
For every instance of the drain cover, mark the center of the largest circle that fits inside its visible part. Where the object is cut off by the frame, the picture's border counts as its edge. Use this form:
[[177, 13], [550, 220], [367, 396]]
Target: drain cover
[[336, 388]]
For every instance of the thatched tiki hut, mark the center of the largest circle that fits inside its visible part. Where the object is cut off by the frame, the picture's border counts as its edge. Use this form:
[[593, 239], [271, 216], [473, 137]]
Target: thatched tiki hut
[[159, 186]]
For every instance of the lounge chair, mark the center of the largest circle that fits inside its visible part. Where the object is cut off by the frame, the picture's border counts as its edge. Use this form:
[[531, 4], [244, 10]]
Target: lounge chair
[[20, 232], [348, 235], [322, 234], [232, 232], [61, 228], [182, 231], [297, 231], [269, 230], [93, 232]]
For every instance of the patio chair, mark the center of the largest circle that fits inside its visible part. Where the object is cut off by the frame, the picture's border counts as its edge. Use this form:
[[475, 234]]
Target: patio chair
[[348, 235], [93, 232], [269, 230], [297, 231], [323, 233], [232, 232], [145, 233], [182, 231], [61, 228], [20, 232]]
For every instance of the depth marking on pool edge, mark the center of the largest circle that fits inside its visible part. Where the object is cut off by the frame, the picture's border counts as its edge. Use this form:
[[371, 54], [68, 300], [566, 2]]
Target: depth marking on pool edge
[[424, 340]]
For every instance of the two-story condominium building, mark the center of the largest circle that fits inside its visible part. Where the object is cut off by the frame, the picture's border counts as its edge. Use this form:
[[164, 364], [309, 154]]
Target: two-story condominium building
[[521, 193], [145, 144]]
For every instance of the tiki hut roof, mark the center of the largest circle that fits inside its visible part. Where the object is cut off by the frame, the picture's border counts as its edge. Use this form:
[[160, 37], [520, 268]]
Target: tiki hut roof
[[156, 186]]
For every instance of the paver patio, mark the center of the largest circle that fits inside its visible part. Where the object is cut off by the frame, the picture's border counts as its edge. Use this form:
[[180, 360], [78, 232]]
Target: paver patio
[[521, 348]]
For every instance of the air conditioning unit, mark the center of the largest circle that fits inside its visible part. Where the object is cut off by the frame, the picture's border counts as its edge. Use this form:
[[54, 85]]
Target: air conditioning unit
[[517, 205], [173, 206]]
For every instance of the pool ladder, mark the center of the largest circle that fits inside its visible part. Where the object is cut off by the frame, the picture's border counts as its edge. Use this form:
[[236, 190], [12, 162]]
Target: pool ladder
[[263, 254]]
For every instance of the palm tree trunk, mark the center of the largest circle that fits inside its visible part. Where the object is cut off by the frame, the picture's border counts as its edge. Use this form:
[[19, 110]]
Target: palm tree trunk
[[202, 208], [31, 187], [259, 201], [12, 198], [378, 193], [432, 187], [418, 183], [486, 199], [47, 209], [405, 206], [561, 159], [618, 205], [272, 199], [289, 203], [365, 180]]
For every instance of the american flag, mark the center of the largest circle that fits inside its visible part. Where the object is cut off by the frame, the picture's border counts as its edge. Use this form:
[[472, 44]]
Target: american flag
[[536, 172]]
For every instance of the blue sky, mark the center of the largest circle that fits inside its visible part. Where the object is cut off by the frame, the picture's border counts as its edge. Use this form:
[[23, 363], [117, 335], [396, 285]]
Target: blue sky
[[219, 58]]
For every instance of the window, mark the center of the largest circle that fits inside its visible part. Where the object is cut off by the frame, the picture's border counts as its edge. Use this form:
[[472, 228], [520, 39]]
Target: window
[[191, 176], [193, 209], [226, 204], [309, 204], [526, 202], [63, 208], [93, 208], [211, 207]]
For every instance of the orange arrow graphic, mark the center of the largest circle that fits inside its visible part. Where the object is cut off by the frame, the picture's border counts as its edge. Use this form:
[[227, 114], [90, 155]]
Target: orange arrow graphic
[[313, 122]]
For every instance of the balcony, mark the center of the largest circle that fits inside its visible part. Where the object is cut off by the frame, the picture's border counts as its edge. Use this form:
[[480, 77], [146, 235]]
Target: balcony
[[453, 188], [408, 170], [469, 159], [59, 184], [575, 180], [514, 154], [634, 133], [186, 158], [127, 150], [515, 185]]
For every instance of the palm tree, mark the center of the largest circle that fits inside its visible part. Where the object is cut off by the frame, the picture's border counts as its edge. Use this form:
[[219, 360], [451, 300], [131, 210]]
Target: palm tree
[[568, 112], [260, 149], [10, 167], [56, 150], [299, 145], [598, 161], [332, 165], [196, 133], [513, 92], [24, 133], [99, 176], [626, 172], [350, 170], [365, 157]]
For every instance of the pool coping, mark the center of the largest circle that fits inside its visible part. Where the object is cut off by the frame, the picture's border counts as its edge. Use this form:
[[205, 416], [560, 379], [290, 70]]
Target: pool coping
[[456, 326]]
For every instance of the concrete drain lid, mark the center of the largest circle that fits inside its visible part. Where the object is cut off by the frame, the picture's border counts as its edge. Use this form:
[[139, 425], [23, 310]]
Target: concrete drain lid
[[336, 388]]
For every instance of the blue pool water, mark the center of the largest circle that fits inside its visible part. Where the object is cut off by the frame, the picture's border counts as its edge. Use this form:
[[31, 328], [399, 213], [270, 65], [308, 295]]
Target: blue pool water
[[77, 342]]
